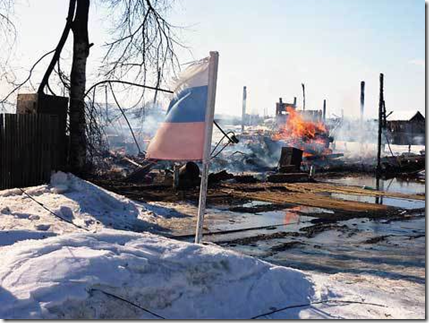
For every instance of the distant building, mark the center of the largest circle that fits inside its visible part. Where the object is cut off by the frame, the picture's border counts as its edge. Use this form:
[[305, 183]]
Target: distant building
[[407, 128]]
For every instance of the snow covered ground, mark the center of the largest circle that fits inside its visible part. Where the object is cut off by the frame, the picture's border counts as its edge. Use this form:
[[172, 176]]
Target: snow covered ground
[[52, 269], [77, 201]]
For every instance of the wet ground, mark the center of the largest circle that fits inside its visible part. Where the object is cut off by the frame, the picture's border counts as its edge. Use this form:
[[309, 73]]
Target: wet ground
[[309, 238], [399, 185]]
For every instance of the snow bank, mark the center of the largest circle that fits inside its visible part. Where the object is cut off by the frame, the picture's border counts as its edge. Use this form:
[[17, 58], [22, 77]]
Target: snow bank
[[61, 277], [118, 275], [75, 200]]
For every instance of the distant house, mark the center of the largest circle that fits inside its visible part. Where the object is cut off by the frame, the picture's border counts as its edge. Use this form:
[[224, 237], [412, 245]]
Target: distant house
[[281, 107], [407, 128], [282, 111]]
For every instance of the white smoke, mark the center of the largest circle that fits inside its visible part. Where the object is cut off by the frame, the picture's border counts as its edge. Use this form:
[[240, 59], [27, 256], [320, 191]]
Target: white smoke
[[144, 123]]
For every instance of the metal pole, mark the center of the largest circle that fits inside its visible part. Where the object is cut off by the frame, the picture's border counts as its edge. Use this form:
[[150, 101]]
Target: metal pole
[[243, 109], [211, 97], [380, 123]]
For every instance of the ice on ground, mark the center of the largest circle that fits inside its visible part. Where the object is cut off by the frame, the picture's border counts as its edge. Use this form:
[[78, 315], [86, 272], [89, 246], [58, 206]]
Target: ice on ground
[[74, 200]]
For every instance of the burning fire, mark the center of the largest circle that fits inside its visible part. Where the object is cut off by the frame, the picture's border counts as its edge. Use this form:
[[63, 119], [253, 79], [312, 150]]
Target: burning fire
[[310, 137]]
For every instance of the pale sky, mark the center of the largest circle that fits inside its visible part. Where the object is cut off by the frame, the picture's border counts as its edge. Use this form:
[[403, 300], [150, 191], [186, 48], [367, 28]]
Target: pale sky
[[273, 46]]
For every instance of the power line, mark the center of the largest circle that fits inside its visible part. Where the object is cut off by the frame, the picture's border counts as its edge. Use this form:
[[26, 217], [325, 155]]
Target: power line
[[314, 303], [53, 213], [128, 302]]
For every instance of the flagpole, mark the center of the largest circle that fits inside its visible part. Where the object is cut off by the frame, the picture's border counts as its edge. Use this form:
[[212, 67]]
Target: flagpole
[[211, 97]]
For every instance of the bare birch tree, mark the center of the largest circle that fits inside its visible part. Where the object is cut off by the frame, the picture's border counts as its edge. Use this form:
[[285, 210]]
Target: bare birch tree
[[142, 41]]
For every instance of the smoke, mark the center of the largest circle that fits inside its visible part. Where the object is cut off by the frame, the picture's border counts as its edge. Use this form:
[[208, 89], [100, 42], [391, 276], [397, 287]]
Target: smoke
[[253, 153], [354, 138], [144, 123], [359, 140]]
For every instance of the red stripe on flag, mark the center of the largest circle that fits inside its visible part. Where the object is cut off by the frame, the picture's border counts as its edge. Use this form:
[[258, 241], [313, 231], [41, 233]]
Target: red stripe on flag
[[178, 141]]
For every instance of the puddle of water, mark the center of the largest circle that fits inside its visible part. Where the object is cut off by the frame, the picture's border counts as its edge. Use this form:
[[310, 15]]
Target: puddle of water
[[287, 220], [396, 202], [260, 219], [255, 203], [223, 219], [396, 185]]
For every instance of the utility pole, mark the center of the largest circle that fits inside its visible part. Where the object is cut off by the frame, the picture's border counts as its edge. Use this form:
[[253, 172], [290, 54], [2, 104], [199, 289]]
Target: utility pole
[[303, 96], [243, 109], [381, 122], [362, 105], [362, 99]]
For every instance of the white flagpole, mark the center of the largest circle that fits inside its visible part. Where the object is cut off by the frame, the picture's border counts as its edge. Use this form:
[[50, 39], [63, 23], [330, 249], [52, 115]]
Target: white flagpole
[[211, 97]]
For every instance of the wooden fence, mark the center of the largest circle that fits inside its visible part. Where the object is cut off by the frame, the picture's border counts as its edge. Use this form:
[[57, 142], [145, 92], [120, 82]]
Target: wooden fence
[[29, 149]]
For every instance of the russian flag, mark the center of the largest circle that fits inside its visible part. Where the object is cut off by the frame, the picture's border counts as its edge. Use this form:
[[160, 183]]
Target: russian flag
[[181, 136]]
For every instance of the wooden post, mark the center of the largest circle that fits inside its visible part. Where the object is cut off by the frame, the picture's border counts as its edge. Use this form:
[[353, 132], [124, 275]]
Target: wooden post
[[380, 123], [211, 97], [158, 81], [107, 106]]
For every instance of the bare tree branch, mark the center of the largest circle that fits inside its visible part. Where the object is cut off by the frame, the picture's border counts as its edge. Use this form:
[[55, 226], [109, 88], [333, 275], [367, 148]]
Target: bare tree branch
[[143, 41]]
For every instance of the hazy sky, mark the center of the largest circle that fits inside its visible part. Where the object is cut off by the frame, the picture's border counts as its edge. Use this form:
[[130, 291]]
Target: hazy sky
[[273, 46]]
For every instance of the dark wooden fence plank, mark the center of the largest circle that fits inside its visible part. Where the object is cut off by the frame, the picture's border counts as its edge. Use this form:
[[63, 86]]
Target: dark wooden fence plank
[[2, 155], [29, 149]]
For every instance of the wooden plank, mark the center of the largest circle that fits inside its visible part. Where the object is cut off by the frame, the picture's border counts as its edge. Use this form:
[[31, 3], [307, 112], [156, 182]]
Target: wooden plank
[[39, 145], [315, 200], [25, 153], [7, 154], [9, 150], [15, 170], [322, 188], [20, 147], [2, 155], [46, 143], [55, 138]]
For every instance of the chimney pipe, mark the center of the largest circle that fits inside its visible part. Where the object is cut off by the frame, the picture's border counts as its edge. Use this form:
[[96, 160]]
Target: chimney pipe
[[243, 109], [324, 110], [303, 96]]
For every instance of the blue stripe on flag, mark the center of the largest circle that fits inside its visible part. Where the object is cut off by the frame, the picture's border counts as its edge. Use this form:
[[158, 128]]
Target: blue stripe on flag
[[188, 106]]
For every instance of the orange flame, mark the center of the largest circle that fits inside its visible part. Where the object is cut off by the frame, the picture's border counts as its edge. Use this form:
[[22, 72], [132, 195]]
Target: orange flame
[[303, 134]]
